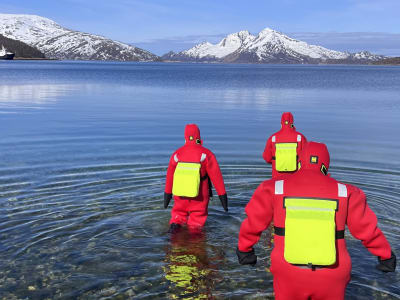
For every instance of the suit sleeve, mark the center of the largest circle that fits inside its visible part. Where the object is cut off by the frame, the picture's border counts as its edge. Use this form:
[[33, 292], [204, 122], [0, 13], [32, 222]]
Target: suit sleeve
[[267, 154], [170, 175], [259, 213], [214, 172], [363, 224]]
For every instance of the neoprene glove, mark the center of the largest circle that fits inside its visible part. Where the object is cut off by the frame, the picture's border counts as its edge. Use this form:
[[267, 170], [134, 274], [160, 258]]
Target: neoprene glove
[[224, 201], [246, 258], [387, 265], [167, 199]]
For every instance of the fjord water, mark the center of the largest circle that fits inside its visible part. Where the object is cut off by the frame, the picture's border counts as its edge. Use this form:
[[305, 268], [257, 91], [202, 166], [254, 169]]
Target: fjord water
[[83, 154]]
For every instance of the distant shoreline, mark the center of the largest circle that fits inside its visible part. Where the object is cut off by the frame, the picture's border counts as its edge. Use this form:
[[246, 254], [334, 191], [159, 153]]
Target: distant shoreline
[[391, 61], [33, 58], [386, 62]]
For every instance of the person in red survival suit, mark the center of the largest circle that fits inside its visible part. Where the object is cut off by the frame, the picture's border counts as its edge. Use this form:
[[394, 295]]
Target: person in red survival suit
[[192, 210], [310, 210], [277, 149]]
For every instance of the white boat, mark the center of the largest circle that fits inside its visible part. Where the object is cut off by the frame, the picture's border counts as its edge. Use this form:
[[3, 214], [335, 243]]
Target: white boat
[[4, 54]]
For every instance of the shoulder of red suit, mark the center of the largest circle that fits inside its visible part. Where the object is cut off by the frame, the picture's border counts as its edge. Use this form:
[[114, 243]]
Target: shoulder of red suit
[[179, 150], [285, 130], [270, 183], [279, 131], [302, 135], [207, 151], [289, 179], [200, 150], [284, 134]]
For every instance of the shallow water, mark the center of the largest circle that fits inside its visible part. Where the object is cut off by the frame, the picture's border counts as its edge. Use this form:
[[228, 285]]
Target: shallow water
[[83, 154]]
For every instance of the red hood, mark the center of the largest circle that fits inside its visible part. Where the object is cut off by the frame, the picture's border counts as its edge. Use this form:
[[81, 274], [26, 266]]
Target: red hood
[[192, 134], [314, 155], [287, 119]]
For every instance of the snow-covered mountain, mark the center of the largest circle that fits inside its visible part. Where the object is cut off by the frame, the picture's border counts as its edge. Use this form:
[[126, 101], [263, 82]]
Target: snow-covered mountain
[[269, 46], [58, 42], [225, 47]]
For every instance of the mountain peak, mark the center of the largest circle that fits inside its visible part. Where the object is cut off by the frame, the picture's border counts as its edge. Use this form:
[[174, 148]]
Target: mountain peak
[[242, 33], [20, 17], [268, 31], [236, 40]]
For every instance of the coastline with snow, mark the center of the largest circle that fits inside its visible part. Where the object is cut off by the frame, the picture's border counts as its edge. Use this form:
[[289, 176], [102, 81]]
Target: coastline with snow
[[267, 47]]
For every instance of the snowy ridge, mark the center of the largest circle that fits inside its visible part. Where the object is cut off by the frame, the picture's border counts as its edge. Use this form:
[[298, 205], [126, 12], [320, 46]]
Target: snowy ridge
[[226, 46], [270, 42], [58, 42], [269, 46]]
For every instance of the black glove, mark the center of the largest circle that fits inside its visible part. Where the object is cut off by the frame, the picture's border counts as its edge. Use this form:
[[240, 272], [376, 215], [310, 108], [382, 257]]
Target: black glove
[[167, 199], [224, 201], [387, 265], [246, 258]]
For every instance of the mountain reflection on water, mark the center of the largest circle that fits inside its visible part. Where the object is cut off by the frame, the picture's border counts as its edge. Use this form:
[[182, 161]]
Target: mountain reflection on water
[[83, 157]]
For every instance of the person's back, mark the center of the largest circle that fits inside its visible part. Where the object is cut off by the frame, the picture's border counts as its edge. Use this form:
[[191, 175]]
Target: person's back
[[191, 170], [283, 147], [309, 210]]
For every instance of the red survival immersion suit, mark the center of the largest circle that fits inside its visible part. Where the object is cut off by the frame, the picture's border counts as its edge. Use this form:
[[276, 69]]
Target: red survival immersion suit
[[270, 203], [283, 138], [193, 211]]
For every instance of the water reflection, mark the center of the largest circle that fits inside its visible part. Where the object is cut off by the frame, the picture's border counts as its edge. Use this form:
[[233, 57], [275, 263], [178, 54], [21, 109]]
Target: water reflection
[[189, 269], [36, 93], [261, 98]]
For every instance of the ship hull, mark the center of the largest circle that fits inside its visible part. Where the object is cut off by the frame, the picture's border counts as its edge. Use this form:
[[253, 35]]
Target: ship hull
[[8, 56]]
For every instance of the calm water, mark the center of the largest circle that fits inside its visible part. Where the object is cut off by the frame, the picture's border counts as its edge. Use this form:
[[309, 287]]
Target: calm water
[[83, 154]]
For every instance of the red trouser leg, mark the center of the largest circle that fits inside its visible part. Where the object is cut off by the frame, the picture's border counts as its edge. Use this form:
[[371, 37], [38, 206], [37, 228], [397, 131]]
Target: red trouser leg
[[179, 212], [309, 285], [302, 283], [285, 290], [198, 212]]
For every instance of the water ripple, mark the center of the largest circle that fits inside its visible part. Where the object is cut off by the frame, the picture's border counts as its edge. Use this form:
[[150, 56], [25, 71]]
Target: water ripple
[[105, 224]]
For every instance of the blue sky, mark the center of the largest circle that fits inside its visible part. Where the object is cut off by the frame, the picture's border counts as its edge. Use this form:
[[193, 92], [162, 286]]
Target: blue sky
[[163, 25]]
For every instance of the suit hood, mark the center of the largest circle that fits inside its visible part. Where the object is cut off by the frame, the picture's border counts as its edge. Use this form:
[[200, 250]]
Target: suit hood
[[192, 134], [315, 156], [287, 119]]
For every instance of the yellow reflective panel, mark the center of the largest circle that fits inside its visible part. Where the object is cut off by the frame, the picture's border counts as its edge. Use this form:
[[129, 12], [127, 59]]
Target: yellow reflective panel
[[310, 231], [186, 179], [285, 157], [311, 202]]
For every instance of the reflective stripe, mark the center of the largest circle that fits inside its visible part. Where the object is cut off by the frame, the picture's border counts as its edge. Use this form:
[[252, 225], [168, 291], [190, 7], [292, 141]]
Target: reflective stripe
[[176, 157], [310, 203], [203, 157], [279, 187], [273, 139], [286, 146], [299, 138], [189, 168], [342, 190]]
